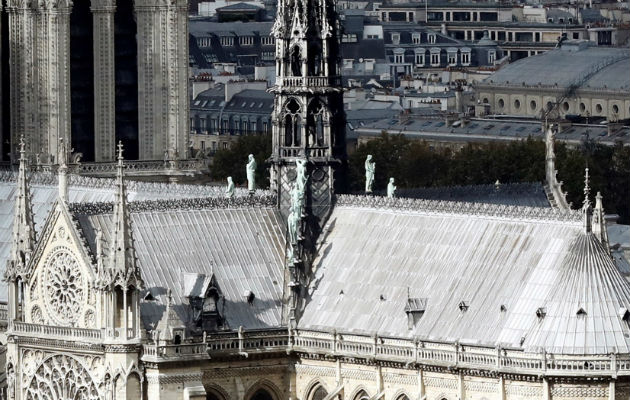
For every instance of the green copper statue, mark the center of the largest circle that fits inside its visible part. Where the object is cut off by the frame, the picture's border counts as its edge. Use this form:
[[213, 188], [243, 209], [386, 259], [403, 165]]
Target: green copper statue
[[370, 166], [251, 173], [391, 188], [229, 190]]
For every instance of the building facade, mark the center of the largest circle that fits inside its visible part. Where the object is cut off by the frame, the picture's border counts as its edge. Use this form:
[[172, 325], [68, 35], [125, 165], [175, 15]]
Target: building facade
[[92, 73], [298, 293]]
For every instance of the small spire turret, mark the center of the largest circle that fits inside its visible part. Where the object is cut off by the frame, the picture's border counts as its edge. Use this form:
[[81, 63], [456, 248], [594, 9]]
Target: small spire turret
[[23, 240], [122, 269]]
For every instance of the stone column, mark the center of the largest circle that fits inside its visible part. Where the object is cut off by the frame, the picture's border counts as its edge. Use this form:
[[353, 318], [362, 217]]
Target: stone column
[[23, 100], [104, 80], [162, 78], [52, 75]]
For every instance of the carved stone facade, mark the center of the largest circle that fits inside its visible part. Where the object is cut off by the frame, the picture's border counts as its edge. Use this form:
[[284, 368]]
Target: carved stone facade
[[137, 93]]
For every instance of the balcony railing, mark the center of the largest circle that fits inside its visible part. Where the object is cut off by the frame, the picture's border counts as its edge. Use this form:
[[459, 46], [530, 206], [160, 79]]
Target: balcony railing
[[298, 152], [309, 81], [232, 343], [452, 355], [138, 167], [59, 332]]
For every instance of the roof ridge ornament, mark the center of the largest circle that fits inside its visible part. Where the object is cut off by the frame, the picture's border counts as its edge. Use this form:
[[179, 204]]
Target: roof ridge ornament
[[23, 242], [454, 207], [586, 205]]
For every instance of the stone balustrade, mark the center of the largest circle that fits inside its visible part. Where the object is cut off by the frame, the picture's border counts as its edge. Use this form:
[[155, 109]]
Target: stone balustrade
[[309, 81], [460, 356], [56, 332]]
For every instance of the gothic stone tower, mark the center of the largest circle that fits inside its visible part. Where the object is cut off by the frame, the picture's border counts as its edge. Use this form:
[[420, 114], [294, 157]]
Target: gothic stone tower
[[307, 131], [308, 119], [92, 72]]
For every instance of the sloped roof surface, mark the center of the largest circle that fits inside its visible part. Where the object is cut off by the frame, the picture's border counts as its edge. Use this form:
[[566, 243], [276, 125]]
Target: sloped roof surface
[[81, 190], [243, 246], [374, 257], [514, 194], [565, 65]]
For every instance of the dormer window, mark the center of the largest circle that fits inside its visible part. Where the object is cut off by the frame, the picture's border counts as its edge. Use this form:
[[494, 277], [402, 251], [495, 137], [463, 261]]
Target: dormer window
[[492, 56], [465, 56], [415, 38], [415, 309], [431, 38], [205, 299], [395, 38], [419, 57]]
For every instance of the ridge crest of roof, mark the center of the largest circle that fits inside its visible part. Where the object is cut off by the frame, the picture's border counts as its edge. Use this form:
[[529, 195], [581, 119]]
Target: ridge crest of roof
[[459, 207], [261, 198]]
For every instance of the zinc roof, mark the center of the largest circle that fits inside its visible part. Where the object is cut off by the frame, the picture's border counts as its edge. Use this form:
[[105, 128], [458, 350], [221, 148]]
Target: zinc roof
[[504, 263], [242, 246], [81, 190]]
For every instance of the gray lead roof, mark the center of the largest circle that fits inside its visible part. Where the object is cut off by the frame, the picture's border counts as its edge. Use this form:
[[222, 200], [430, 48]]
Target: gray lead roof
[[503, 262]]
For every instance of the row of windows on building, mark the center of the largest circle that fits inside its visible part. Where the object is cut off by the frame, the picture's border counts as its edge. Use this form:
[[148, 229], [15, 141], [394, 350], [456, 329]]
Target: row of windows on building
[[416, 38], [434, 57], [203, 42], [566, 107], [232, 125]]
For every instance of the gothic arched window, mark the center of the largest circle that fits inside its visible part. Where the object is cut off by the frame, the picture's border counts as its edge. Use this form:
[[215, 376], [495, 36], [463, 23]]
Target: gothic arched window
[[362, 395], [318, 393], [316, 136], [296, 61], [314, 62], [261, 394], [292, 134]]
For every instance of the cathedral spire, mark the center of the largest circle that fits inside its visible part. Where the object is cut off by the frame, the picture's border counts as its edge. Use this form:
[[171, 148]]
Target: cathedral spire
[[122, 259], [23, 226]]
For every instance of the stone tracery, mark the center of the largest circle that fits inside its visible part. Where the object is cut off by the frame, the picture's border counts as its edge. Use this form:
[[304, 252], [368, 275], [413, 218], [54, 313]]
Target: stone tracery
[[61, 378], [64, 288]]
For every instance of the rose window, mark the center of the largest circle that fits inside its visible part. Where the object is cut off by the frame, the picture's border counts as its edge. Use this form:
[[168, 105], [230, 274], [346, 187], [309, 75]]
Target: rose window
[[63, 288]]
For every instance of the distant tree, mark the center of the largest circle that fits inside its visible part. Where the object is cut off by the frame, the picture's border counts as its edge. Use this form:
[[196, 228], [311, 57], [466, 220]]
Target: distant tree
[[231, 162], [416, 164]]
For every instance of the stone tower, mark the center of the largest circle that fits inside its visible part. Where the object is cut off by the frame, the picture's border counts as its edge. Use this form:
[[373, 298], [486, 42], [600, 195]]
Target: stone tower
[[93, 72], [308, 133], [308, 118]]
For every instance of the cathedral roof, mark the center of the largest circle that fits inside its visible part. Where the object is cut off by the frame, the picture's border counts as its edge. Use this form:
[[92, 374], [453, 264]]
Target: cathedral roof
[[81, 190], [491, 275], [240, 242]]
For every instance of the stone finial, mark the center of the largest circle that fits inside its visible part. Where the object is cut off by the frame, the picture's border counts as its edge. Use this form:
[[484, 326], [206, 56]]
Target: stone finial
[[62, 159]]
